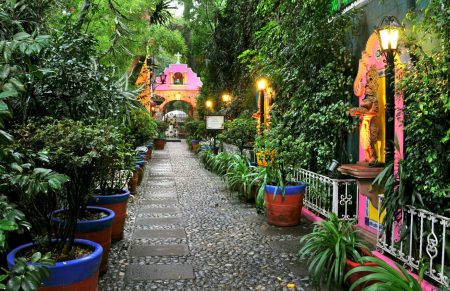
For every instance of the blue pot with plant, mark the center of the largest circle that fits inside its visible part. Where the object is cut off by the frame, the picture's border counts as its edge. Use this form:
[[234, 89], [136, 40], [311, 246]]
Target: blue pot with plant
[[74, 274]]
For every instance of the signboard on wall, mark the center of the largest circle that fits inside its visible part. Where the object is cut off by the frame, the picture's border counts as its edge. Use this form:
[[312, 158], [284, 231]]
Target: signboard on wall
[[215, 122]]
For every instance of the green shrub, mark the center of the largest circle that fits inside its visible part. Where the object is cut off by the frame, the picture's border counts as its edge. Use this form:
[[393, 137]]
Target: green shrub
[[240, 132], [142, 127]]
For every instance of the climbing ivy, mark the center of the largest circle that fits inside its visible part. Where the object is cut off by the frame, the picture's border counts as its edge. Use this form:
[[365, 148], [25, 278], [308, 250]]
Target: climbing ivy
[[427, 105], [303, 49]]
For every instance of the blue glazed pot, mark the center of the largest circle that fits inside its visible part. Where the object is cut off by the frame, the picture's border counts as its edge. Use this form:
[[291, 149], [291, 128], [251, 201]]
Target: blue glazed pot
[[80, 271], [149, 145], [289, 190], [117, 203], [98, 230], [196, 140]]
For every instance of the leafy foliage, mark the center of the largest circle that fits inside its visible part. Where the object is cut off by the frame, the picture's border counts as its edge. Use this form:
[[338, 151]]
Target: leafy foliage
[[384, 277], [328, 247], [11, 219], [27, 275], [142, 127], [240, 132], [313, 88], [427, 106]]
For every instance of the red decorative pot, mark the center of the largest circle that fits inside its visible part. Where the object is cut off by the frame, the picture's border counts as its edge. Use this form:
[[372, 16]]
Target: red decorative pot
[[118, 203], [284, 211], [159, 143], [350, 265]]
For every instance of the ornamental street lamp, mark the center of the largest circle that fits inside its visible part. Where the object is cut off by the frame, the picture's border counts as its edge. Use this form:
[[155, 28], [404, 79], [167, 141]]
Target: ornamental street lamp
[[388, 32], [209, 105], [226, 98], [262, 84]]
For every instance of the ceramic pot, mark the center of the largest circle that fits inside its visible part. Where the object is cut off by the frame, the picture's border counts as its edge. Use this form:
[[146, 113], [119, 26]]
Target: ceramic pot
[[284, 211], [98, 231], [118, 203], [73, 275]]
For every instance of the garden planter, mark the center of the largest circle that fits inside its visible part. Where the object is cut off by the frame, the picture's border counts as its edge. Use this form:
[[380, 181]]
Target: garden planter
[[98, 231], [73, 275], [159, 143], [195, 145], [284, 211], [148, 156], [133, 183], [140, 171], [350, 265], [117, 203]]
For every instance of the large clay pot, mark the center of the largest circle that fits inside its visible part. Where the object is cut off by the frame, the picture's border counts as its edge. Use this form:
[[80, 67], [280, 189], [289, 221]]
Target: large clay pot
[[195, 145], [118, 203], [159, 143], [133, 183], [284, 211], [98, 231], [141, 170], [148, 156], [350, 265], [73, 275]]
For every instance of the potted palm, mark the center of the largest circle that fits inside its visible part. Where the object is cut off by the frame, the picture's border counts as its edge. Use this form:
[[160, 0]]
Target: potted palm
[[331, 249]]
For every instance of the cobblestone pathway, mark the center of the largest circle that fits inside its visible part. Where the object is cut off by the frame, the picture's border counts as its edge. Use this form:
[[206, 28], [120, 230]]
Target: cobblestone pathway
[[185, 231]]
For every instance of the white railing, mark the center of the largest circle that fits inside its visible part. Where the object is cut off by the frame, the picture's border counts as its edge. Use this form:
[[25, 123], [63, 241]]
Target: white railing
[[420, 237], [324, 194]]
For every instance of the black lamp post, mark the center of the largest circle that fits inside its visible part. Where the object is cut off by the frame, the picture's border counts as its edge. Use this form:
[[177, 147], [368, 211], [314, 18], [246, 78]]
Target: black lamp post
[[388, 31], [162, 78], [261, 88]]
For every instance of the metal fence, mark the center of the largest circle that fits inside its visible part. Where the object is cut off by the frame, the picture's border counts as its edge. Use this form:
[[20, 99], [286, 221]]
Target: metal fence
[[324, 194], [419, 238]]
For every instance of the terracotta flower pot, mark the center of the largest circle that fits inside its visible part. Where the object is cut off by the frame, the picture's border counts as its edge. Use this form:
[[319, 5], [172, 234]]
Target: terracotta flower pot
[[118, 203], [350, 265], [98, 231], [133, 183], [73, 275], [148, 156], [159, 143], [141, 171], [284, 211], [195, 145]]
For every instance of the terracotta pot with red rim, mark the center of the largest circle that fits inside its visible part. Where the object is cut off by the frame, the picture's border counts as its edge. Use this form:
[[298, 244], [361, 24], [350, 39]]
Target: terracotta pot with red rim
[[118, 203], [159, 143], [98, 230], [350, 265], [284, 211], [74, 275]]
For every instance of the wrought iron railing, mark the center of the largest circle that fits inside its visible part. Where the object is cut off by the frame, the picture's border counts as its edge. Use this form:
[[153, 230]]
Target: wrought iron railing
[[324, 194], [419, 238]]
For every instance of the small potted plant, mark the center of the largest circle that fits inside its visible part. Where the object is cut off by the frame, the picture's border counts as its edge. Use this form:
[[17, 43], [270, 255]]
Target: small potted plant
[[160, 142], [281, 195], [330, 248]]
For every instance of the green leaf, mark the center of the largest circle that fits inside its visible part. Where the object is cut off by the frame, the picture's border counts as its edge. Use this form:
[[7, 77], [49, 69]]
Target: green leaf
[[14, 284], [21, 36]]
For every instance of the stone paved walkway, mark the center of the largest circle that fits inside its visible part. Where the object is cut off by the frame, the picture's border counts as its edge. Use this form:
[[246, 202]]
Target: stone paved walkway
[[185, 231]]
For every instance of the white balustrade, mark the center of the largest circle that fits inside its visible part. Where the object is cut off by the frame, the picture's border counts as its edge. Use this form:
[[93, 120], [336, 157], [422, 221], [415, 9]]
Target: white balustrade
[[419, 239]]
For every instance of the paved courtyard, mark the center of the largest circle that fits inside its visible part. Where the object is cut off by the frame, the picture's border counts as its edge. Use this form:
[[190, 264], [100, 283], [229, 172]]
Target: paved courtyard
[[186, 231]]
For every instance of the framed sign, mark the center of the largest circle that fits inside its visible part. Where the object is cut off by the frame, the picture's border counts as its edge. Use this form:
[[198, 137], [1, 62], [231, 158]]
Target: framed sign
[[215, 122]]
